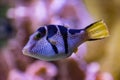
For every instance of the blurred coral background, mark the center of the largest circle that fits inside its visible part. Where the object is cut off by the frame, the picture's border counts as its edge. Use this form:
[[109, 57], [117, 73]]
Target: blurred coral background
[[96, 60]]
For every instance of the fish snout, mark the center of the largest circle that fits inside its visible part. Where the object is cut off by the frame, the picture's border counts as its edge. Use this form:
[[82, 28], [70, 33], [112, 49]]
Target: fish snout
[[26, 49]]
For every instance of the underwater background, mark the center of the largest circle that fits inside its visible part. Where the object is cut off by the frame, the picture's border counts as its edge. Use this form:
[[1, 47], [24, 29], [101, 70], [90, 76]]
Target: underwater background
[[96, 60]]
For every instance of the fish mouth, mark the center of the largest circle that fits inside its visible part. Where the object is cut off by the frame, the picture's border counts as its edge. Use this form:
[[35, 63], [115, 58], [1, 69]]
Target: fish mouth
[[25, 51], [28, 48]]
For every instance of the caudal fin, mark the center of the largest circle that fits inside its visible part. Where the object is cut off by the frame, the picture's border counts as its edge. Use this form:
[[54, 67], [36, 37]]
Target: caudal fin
[[97, 30]]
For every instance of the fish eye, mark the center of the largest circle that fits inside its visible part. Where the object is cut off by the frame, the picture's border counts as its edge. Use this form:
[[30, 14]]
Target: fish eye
[[37, 36]]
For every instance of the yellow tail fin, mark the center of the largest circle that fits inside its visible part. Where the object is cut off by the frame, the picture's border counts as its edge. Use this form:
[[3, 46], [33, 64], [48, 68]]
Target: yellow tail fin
[[97, 30]]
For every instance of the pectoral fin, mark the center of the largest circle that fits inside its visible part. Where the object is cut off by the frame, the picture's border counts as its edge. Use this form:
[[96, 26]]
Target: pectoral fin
[[75, 50], [53, 42]]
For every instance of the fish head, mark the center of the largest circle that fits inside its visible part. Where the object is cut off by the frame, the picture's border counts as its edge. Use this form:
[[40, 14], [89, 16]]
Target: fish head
[[37, 44]]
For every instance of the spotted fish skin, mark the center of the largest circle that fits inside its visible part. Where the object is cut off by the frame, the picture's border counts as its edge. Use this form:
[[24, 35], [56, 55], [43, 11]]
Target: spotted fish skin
[[54, 42]]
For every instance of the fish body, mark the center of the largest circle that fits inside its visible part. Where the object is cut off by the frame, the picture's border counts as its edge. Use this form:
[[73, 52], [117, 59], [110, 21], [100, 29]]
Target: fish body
[[54, 42]]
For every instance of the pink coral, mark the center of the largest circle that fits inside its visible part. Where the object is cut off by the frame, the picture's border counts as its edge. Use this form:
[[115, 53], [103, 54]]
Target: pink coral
[[42, 69]]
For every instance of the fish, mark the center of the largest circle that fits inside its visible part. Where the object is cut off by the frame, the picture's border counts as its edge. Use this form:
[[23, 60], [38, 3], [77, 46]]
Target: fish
[[55, 42]]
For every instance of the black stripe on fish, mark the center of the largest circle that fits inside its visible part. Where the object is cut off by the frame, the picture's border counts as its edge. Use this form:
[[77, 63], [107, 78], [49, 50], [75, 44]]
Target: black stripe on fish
[[63, 31], [52, 30], [42, 31], [53, 47], [74, 31]]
